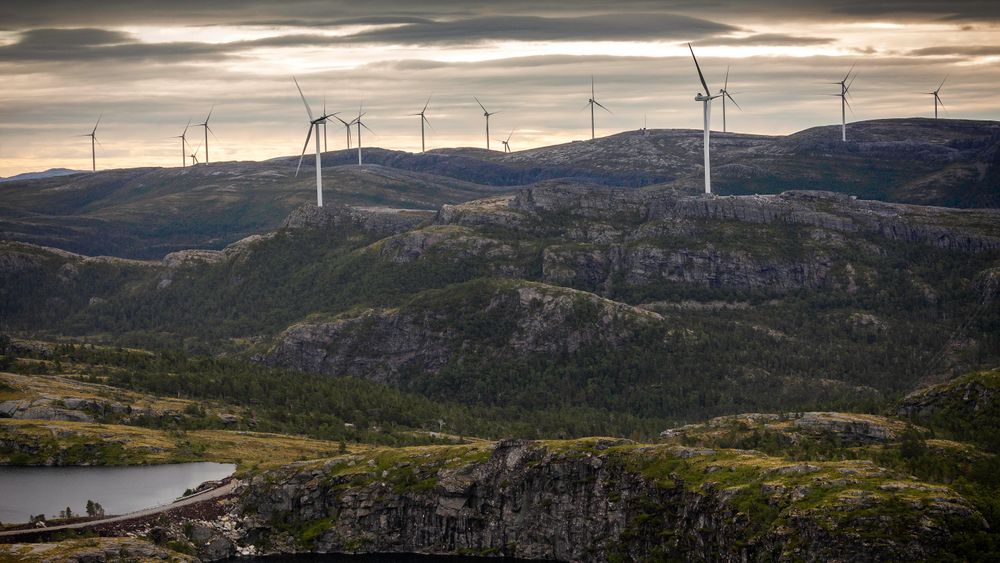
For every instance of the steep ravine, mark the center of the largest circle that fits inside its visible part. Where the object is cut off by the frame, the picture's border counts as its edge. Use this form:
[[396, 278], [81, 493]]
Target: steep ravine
[[599, 500]]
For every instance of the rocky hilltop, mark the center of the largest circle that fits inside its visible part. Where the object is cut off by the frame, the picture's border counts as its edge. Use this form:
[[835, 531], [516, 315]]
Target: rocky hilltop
[[599, 500], [149, 212]]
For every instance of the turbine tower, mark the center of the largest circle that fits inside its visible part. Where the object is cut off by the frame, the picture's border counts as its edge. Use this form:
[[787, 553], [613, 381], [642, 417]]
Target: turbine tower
[[937, 97], [593, 102], [360, 124], [725, 94], [314, 123], [93, 143], [845, 88], [487, 115], [506, 142], [706, 100], [207, 130], [423, 120], [183, 138]]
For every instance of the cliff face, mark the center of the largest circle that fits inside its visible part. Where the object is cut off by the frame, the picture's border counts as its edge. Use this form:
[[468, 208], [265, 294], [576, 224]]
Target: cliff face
[[599, 500]]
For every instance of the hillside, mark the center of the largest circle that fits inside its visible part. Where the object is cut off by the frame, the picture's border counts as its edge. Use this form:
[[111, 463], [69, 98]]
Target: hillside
[[149, 212], [567, 297]]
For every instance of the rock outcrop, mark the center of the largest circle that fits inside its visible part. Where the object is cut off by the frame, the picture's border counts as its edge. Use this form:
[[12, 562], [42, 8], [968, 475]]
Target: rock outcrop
[[595, 500], [378, 220], [512, 318], [957, 229]]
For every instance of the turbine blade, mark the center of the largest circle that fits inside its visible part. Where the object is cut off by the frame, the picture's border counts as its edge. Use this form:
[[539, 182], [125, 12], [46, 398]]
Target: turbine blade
[[368, 128], [212, 132], [849, 106], [303, 96], [598, 104], [697, 66], [725, 86], [98, 123], [940, 101], [848, 75], [427, 121], [99, 142], [304, 147], [592, 95], [942, 83], [851, 83], [426, 104], [186, 128], [509, 136], [734, 101], [480, 104]]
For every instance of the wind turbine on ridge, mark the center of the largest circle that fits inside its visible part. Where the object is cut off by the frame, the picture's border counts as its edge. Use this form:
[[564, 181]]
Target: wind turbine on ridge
[[937, 96], [706, 100], [725, 94], [845, 88], [314, 123], [93, 143], [207, 130], [487, 115], [194, 155], [593, 102], [423, 119], [361, 124], [506, 142], [183, 138], [347, 125]]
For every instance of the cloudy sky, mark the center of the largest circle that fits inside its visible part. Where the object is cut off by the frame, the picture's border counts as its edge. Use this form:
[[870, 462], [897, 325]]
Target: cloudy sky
[[150, 66]]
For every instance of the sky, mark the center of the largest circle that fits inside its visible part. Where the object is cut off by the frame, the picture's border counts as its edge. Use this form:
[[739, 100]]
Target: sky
[[150, 66]]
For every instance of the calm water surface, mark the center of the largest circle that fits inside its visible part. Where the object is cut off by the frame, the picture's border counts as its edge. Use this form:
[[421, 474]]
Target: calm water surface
[[25, 491]]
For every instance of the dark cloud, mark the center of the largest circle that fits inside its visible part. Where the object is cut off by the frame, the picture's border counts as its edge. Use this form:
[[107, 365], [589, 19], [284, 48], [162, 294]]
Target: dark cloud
[[603, 27], [68, 45], [21, 14], [958, 51]]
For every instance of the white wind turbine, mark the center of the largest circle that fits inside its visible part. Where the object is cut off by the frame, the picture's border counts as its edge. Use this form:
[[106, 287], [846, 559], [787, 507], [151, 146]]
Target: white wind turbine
[[423, 120], [845, 88], [593, 102], [506, 142], [937, 97], [361, 124], [706, 100], [725, 94], [93, 143], [487, 115], [347, 126], [207, 130], [194, 155], [314, 123], [184, 145]]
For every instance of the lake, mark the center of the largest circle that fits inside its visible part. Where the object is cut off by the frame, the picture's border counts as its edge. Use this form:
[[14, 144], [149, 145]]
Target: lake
[[25, 491]]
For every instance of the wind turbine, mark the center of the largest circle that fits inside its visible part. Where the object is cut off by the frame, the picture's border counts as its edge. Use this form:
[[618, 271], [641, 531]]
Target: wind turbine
[[194, 155], [207, 129], [937, 97], [360, 124], [348, 127], [423, 119], [706, 100], [593, 102], [93, 143], [487, 115], [506, 142], [725, 94], [314, 123], [183, 138], [845, 87]]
